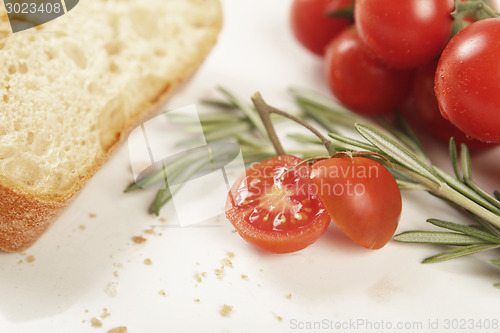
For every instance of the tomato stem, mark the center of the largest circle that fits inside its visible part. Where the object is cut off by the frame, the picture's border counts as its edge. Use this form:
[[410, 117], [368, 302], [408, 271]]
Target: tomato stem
[[265, 111], [477, 8]]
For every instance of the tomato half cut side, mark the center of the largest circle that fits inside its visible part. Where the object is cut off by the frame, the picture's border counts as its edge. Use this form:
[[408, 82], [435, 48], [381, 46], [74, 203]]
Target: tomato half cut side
[[275, 210]]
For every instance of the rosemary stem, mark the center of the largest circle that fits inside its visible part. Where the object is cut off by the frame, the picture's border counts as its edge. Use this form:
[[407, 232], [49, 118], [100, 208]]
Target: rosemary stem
[[449, 193], [263, 108], [265, 115]]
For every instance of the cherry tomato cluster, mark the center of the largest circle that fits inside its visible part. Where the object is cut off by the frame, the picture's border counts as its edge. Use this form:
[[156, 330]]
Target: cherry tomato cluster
[[382, 55], [283, 205]]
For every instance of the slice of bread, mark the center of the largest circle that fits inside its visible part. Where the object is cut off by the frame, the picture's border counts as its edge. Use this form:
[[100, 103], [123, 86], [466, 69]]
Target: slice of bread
[[71, 89]]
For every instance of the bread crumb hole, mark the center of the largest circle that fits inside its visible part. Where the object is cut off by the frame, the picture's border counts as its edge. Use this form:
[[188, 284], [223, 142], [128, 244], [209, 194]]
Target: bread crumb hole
[[113, 47], [50, 54], [76, 54], [159, 53], [23, 68], [11, 69], [30, 138], [114, 68]]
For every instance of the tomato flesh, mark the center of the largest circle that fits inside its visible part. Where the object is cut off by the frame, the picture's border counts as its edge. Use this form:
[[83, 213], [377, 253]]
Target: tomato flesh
[[275, 210], [362, 198]]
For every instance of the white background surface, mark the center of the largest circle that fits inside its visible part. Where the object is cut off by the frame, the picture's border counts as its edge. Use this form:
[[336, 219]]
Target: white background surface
[[73, 277]]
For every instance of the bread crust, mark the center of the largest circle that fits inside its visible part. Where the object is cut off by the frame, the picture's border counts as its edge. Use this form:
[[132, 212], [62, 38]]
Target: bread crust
[[25, 214]]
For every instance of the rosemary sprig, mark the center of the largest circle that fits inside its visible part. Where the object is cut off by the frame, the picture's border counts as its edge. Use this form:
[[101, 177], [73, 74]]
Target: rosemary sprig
[[238, 120]]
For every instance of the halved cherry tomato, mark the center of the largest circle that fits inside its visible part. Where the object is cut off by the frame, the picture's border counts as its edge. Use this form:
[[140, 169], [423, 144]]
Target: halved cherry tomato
[[274, 211], [361, 196], [311, 24]]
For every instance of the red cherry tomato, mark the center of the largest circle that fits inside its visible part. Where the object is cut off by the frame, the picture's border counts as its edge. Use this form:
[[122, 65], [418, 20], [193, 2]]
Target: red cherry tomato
[[277, 213], [427, 116], [405, 33], [361, 196], [360, 80], [311, 25], [468, 79]]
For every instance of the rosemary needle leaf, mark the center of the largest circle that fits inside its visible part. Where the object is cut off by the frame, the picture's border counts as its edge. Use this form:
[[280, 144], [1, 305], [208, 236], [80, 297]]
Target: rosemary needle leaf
[[354, 142], [471, 231], [460, 252], [466, 163], [406, 128], [495, 262], [162, 197], [247, 109], [437, 237], [466, 191], [454, 158], [494, 201], [397, 152]]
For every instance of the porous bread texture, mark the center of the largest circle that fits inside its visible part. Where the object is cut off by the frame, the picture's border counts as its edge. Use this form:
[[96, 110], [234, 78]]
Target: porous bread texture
[[72, 88]]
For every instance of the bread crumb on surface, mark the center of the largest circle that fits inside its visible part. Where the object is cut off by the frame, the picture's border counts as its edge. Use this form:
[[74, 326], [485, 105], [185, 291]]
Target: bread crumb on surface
[[92, 215], [105, 313], [163, 220], [149, 231], [30, 259], [226, 310], [139, 239], [219, 273], [226, 262], [82, 227], [198, 276], [95, 322], [289, 296], [244, 277], [196, 300], [20, 261], [279, 318], [230, 254], [115, 274], [148, 262], [120, 329], [162, 292]]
